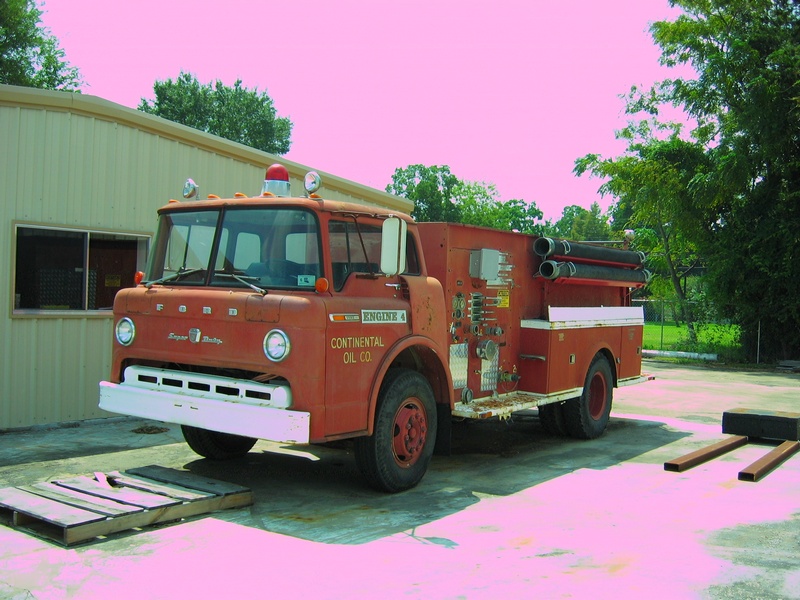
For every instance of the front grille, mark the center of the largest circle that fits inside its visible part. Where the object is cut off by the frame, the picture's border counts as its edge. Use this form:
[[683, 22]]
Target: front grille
[[208, 386]]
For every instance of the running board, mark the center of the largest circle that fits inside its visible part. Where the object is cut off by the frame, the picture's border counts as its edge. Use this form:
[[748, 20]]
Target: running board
[[503, 405]]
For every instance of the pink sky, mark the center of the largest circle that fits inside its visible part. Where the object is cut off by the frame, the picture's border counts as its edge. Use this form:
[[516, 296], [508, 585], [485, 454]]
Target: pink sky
[[509, 92]]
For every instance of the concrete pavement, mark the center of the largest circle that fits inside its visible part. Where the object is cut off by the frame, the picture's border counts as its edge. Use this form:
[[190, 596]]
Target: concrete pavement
[[513, 512]]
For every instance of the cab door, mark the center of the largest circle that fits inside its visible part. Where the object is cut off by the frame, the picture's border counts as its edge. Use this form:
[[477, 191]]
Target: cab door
[[367, 315]]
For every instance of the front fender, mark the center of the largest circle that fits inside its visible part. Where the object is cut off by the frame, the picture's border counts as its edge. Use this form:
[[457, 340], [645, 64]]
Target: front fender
[[429, 359]]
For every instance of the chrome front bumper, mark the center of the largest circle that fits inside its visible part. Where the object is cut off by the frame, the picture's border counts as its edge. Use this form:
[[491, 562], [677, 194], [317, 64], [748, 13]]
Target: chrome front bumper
[[223, 404]]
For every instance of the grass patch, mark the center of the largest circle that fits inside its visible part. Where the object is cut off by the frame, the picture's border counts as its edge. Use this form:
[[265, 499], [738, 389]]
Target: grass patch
[[711, 338]]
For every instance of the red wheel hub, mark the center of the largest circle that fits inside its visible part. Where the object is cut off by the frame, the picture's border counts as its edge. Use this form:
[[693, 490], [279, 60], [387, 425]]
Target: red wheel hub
[[410, 432], [597, 395]]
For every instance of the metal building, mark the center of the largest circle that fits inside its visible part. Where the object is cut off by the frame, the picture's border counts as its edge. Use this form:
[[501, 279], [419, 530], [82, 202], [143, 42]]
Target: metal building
[[81, 179]]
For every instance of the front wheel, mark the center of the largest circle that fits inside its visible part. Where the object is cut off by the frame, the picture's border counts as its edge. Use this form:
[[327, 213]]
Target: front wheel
[[216, 445], [395, 457], [587, 417]]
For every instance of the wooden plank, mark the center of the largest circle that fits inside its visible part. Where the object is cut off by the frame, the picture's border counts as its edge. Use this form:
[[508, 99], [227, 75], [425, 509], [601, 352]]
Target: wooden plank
[[189, 480], [80, 500], [32, 524], [148, 485], [119, 494], [160, 515], [35, 507]]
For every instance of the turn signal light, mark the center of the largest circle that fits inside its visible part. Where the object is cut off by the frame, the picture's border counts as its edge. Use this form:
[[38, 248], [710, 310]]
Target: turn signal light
[[321, 285], [138, 277]]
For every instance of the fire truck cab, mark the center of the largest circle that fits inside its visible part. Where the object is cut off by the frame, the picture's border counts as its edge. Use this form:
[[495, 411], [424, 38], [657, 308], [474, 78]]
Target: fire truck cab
[[304, 320]]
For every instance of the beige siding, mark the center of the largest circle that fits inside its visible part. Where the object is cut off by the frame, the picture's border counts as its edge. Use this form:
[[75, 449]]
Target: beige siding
[[52, 369], [81, 162]]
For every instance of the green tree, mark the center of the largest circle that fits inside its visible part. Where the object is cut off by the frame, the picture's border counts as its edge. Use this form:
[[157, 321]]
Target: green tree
[[525, 217], [29, 55], [591, 225], [563, 227], [235, 113], [479, 204], [439, 195], [652, 185], [577, 223], [745, 99], [732, 195], [430, 188]]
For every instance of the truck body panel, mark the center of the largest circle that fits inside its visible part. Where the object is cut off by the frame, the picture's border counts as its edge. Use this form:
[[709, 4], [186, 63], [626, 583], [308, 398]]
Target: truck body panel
[[512, 310]]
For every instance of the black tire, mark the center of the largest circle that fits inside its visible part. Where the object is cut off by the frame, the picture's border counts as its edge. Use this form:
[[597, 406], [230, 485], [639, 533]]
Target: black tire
[[552, 419], [216, 445], [388, 459], [587, 416]]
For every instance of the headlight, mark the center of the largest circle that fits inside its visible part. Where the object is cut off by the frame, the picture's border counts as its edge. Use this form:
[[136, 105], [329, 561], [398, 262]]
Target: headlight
[[125, 331], [276, 345]]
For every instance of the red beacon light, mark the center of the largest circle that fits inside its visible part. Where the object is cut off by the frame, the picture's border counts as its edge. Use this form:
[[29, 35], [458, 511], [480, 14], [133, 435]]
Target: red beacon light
[[276, 182]]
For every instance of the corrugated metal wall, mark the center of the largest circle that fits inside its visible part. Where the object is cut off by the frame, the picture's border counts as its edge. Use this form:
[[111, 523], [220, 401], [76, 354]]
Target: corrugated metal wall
[[77, 161]]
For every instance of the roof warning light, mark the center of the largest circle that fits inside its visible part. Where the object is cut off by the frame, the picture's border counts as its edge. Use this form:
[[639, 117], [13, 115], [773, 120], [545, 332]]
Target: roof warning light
[[276, 182]]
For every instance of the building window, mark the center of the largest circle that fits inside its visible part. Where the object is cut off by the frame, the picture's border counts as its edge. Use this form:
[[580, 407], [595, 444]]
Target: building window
[[67, 269]]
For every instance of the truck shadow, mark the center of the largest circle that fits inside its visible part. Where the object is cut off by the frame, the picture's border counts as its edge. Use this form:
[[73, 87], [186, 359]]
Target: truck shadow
[[316, 493]]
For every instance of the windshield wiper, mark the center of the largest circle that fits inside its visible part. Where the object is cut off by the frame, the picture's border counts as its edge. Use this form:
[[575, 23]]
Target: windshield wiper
[[176, 275], [252, 286]]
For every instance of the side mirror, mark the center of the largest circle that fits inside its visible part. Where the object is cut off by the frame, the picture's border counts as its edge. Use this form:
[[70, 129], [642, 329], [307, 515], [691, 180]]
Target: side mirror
[[393, 246]]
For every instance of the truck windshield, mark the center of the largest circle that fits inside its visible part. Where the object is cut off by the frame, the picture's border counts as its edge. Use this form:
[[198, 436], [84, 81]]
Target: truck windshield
[[237, 247]]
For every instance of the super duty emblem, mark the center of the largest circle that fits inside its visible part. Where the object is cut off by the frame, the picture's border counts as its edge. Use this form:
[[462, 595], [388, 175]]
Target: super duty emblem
[[195, 336]]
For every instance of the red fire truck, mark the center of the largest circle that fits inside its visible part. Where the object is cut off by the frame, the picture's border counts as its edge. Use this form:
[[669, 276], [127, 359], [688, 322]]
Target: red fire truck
[[305, 320]]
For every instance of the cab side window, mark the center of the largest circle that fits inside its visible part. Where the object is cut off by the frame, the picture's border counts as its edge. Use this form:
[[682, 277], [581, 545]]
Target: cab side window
[[412, 260], [357, 249], [354, 249]]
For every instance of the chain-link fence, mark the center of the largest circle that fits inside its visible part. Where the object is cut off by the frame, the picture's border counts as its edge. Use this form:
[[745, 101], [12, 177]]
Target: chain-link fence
[[667, 328]]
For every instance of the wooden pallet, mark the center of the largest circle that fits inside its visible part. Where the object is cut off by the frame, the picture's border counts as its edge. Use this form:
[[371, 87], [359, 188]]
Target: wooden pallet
[[70, 511]]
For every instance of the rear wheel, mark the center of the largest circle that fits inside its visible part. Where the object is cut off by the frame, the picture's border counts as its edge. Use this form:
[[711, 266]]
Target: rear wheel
[[396, 456], [587, 417], [216, 445], [552, 419]]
